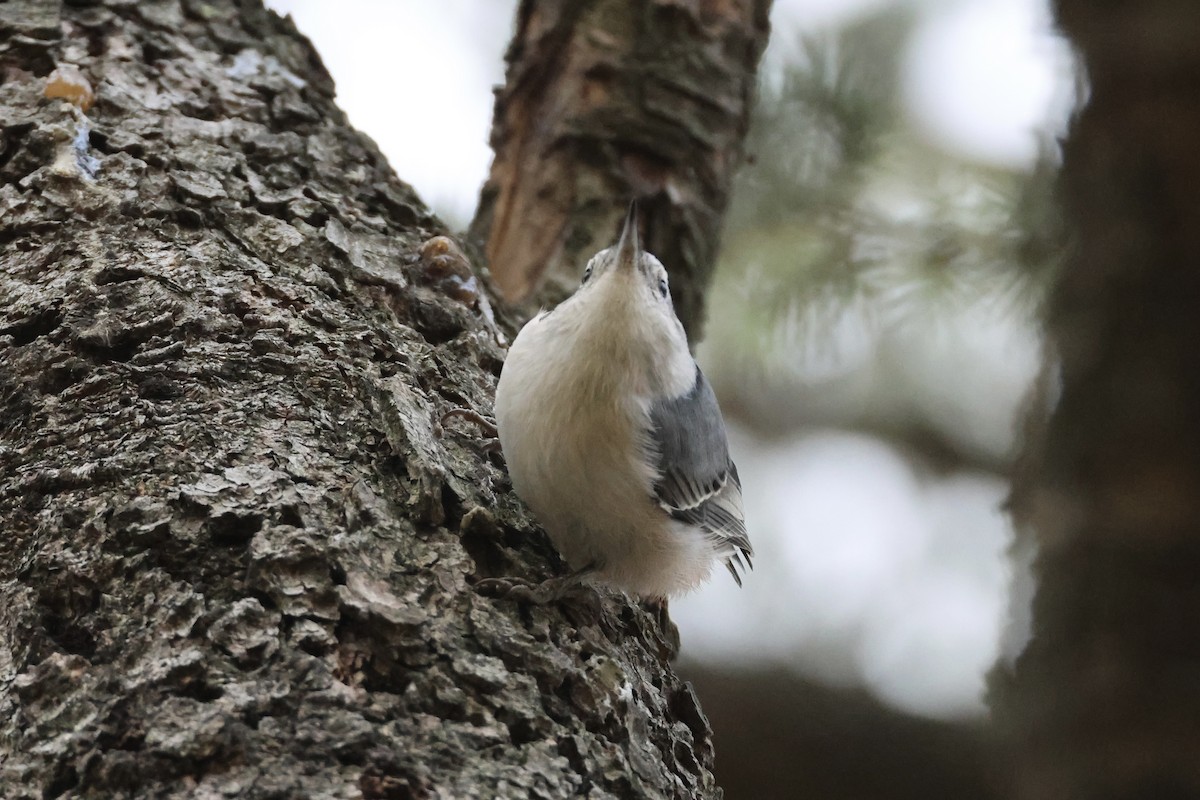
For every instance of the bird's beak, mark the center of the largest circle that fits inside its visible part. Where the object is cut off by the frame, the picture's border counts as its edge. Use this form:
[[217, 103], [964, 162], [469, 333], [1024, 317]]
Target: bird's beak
[[628, 246]]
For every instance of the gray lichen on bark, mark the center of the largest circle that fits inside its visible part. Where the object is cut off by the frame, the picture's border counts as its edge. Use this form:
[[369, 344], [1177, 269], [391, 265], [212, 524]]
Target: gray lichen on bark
[[238, 548]]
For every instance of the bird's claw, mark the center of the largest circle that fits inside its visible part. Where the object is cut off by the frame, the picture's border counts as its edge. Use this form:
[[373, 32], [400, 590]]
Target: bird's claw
[[491, 442], [668, 631], [486, 425], [541, 593]]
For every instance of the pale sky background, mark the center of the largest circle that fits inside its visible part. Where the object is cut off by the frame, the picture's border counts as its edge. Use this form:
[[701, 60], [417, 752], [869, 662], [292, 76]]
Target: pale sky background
[[869, 572]]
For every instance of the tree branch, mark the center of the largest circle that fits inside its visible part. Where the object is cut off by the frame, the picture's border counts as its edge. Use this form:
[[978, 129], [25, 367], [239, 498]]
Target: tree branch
[[608, 100]]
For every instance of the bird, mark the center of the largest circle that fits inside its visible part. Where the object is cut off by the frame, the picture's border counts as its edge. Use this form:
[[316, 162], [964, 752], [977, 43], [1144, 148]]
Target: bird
[[613, 436]]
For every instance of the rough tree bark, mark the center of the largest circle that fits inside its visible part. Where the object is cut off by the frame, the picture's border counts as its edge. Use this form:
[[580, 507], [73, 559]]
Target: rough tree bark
[[237, 556], [1105, 702], [607, 100]]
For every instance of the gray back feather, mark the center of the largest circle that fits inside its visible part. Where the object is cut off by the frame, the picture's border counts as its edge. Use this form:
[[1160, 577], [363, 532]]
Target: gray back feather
[[698, 482]]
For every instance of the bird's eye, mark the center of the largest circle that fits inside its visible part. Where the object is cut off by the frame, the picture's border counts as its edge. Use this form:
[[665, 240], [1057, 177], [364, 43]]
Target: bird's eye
[[587, 273], [662, 287]]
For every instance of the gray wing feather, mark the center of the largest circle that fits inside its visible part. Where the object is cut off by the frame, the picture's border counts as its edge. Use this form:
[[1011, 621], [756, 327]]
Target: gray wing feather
[[697, 481]]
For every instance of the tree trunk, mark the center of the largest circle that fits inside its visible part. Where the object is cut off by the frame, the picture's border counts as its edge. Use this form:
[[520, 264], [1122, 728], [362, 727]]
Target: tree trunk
[[238, 551], [784, 737], [608, 100], [1106, 698]]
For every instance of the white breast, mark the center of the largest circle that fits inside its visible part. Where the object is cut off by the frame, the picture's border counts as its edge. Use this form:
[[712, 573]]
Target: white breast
[[570, 423]]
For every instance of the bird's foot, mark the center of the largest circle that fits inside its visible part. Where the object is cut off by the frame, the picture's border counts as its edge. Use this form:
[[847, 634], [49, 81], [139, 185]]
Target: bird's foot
[[541, 593], [546, 592], [492, 443], [668, 632]]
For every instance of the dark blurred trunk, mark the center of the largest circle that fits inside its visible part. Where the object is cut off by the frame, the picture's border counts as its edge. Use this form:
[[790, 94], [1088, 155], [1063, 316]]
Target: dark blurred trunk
[[781, 737], [608, 100], [236, 556], [1105, 701]]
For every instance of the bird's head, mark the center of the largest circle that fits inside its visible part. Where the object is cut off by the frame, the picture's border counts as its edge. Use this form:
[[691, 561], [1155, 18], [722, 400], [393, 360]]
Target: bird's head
[[630, 273]]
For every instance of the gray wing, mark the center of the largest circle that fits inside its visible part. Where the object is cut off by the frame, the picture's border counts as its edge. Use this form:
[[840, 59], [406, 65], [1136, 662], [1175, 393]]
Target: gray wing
[[698, 483]]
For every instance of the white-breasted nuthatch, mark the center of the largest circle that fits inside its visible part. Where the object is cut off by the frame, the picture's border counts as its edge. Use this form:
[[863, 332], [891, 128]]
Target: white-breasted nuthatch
[[613, 436]]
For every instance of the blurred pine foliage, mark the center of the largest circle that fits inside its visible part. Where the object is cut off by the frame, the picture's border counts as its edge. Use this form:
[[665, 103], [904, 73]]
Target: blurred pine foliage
[[851, 235], [843, 204]]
